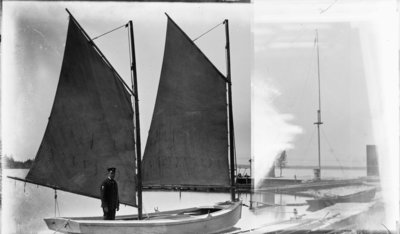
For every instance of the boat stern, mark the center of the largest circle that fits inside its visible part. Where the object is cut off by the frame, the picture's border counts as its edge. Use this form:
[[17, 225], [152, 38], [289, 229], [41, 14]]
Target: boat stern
[[233, 213], [63, 225]]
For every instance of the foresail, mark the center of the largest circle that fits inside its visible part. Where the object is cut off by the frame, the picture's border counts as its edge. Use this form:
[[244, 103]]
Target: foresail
[[188, 138], [90, 127]]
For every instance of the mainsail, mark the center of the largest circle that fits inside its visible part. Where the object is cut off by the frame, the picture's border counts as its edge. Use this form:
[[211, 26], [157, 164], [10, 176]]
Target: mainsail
[[90, 127], [187, 143]]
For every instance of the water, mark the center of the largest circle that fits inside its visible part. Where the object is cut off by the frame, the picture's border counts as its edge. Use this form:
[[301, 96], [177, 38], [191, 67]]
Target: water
[[25, 205]]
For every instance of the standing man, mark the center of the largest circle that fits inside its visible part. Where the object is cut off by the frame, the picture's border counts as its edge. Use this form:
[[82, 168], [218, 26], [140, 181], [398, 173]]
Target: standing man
[[109, 195]]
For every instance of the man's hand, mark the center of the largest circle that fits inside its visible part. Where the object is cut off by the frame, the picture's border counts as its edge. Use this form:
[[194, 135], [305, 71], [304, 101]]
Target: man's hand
[[105, 209], [117, 208]]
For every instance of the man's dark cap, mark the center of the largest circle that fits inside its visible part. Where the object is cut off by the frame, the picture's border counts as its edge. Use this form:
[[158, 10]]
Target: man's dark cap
[[112, 169]]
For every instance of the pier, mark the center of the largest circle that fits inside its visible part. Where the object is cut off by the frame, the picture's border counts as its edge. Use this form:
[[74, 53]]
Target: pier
[[339, 217], [295, 186]]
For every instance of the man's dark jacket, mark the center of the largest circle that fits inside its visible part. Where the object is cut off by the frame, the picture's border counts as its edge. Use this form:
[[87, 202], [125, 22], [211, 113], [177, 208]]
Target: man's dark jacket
[[109, 194]]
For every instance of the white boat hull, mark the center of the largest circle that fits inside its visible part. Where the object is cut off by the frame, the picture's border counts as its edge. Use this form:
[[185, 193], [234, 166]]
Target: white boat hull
[[211, 219]]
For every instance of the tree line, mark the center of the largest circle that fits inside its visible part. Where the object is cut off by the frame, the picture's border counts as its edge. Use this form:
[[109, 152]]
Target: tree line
[[10, 162]]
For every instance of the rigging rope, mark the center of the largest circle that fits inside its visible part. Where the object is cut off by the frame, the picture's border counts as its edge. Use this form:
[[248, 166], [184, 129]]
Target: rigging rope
[[207, 31], [300, 99], [125, 25], [309, 143], [331, 149]]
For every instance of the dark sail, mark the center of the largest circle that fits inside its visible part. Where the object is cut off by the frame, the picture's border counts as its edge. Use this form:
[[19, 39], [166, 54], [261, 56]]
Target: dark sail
[[188, 138], [90, 127]]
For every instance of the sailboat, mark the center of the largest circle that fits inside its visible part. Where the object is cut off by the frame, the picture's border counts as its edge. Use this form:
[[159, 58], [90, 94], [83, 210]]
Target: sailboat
[[93, 125]]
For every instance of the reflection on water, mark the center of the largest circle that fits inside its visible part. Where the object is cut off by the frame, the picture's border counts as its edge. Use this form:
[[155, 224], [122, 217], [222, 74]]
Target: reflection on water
[[25, 205], [277, 207]]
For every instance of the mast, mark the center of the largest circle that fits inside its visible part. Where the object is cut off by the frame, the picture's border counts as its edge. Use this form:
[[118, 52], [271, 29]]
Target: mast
[[231, 130], [319, 121], [137, 122]]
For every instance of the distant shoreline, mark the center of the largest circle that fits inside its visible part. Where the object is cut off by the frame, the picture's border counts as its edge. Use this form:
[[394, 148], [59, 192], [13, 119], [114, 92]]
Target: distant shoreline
[[329, 167], [312, 167], [10, 163], [247, 166]]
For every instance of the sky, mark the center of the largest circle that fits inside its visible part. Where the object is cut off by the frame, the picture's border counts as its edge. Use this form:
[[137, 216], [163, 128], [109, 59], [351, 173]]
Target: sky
[[359, 72], [289, 62], [285, 78], [33, 45]]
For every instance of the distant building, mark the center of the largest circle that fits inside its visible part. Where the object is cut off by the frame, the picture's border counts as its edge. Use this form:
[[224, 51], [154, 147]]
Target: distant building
[[372, 161]]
